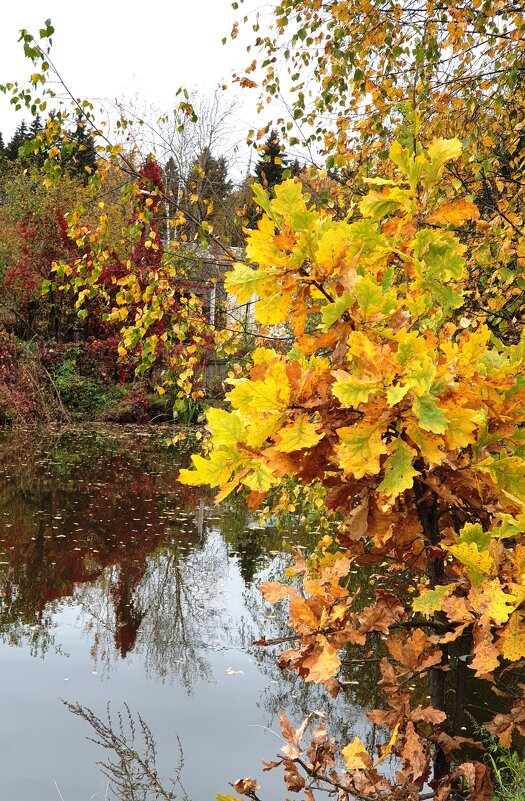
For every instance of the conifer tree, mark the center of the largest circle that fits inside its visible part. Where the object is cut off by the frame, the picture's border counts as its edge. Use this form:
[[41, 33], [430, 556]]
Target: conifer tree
[[20, 136], [272, 164]]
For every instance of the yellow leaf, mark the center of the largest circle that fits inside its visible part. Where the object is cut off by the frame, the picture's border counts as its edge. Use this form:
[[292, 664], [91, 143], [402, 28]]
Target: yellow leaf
[[301, 434], [462, 426], [387, 749], [360, 449], [479, 563], [356, 756], [511, 641], [256, 396], [491, 600], [431, 601], [472, 346], [352, 390], [215, 470], [428, 444], [399, 472], [226, 427], [244, 282], [260, 478]]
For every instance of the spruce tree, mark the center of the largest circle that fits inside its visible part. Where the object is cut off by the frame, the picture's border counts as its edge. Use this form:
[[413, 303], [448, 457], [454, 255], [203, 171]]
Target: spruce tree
[[272, 164], [20, 136]]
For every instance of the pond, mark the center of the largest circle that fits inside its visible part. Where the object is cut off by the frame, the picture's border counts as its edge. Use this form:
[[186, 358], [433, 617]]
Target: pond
[[119, 586]]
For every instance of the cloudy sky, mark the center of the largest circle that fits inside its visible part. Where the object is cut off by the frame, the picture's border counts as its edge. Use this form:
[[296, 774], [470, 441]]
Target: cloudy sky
[[119, 51]]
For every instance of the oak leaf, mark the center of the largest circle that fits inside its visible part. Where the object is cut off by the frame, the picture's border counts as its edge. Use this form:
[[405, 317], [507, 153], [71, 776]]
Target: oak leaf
[[273, 591], [360, 449], [299, 435], [356, 756], [323, 664], [511, 642], [455, 213], [399, 471]]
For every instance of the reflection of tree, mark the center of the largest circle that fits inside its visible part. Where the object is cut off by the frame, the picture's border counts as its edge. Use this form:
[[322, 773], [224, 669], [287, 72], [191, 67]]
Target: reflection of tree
[[182, 612], [75, 505], [97, 520]]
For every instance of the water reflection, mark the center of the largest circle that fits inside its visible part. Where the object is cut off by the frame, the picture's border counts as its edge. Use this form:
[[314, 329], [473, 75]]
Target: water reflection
[[96, 535], [96, 520]]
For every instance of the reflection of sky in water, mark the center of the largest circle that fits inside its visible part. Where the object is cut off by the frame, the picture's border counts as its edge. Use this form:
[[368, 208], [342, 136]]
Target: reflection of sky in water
[[140, 607]]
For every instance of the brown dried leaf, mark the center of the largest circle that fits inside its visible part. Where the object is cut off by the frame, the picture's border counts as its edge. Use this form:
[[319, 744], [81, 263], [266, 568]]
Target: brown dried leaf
[[245, 786], [428, 715], [477, 777], [415, 758], [323, 664], [287, 729], [292, 778]]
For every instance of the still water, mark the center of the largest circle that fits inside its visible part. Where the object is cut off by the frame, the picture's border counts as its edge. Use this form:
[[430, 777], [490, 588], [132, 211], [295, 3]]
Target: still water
[[119, 586]]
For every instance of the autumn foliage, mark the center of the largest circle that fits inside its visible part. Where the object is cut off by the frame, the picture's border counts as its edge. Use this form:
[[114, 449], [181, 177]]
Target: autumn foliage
[[409, 413]]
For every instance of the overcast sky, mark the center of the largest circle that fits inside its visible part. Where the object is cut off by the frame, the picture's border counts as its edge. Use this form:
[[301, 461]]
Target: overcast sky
[[120, 50]]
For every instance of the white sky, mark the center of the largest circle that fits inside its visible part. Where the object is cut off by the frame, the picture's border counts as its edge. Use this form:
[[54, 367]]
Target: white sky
[[119, 50]]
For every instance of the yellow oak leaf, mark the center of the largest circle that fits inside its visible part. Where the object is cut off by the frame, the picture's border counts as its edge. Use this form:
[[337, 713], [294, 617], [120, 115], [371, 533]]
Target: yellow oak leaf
[[360, 449], [508, 473], [332, 246], [243, 282], [472, 346], [273, 307], [431, 601], [299, 435], [260, 478], [511, 642], [462, 425], [492, 601], [479, 563], [257, 396], [352, 390], [263, 427], [428, 444], [356, 756], [215, 470], [226, 428]]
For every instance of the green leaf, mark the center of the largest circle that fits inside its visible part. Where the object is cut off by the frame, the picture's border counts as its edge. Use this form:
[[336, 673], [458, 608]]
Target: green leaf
[[430, 601], [333, 311], [369, 295], [351, 390], [399, 473], [473, 532], [508, 473], [429, 416]]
